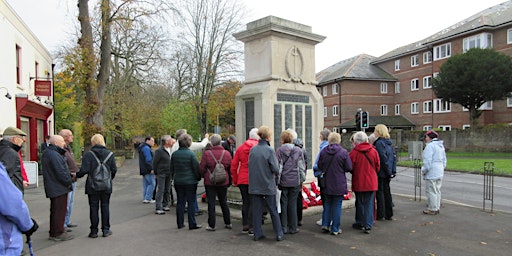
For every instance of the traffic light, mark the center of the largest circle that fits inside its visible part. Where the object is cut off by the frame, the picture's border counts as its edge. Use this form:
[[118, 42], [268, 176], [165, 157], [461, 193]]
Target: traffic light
[[358, 119], [365, 120]]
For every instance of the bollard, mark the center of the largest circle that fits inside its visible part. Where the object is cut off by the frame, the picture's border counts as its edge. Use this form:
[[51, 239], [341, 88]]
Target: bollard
[[488, 184], [417, 179]]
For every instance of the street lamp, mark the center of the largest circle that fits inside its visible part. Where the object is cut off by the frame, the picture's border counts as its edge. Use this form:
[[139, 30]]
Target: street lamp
[[7, 95]]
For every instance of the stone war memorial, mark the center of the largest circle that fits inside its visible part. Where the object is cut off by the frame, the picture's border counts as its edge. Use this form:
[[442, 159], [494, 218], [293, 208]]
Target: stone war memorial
[[280, 85]]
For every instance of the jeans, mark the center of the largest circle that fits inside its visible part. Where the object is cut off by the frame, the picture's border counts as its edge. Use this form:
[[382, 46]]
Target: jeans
[[101, 199], [332, 212], [163, 189], [186, 194], [221, 192], [384, 199], [71, 198], [246, 205], [58, 209], [148, 185], [257, 204], [365, 208], [288, 203], [433, 193]]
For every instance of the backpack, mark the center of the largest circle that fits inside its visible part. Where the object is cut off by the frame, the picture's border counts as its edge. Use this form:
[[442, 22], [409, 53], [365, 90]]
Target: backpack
[[218, 176], [101, 177]]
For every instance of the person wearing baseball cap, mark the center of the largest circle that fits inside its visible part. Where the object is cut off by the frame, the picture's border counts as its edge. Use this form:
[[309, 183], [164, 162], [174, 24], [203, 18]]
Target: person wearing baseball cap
[[10, 145], [434, 163]]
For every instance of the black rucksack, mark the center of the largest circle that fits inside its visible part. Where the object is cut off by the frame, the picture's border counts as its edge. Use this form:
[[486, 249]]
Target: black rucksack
[[218, 176], [101, 177]]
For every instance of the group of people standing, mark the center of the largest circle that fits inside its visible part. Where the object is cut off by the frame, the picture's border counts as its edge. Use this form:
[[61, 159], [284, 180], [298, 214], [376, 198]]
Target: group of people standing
[[372, 165], [60, 172]]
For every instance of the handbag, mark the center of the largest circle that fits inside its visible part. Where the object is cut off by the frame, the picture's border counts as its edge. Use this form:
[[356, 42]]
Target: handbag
[[321, 178]]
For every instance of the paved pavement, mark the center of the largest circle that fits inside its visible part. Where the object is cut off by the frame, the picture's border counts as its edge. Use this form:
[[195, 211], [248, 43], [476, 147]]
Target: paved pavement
[[458, 230]]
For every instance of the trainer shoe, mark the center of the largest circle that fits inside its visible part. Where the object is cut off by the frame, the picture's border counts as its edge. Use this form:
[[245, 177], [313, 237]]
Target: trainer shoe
[[107, 233], [72, 225], [228, 226], [319, 223], [152, 201], [145, 201], [166, 209], [159, 212], [62, 237], [210, 228]]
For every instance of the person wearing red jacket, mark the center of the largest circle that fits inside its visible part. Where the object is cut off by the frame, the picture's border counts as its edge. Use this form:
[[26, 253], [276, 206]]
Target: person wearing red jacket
[[365, 165], [240, 175]]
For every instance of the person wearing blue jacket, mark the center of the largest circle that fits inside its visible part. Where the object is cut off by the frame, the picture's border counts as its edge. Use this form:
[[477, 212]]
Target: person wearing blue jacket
[[384, 147], [434, 163], [146, 170], [14, 216], [324, 134]]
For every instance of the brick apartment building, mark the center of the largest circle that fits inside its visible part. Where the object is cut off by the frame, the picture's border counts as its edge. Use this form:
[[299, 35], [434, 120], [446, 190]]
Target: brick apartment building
[[396, 88]]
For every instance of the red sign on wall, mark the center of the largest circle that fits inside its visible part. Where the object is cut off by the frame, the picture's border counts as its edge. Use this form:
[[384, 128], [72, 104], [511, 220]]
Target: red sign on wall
[[43, 88]]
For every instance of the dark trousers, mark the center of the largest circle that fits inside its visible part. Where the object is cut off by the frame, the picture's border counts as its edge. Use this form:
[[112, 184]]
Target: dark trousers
[[95, 201], [384, 199], [289, 208], [246, 205], [258, 202], [186, 194], [220, 192], [58, 209], [299, 205]]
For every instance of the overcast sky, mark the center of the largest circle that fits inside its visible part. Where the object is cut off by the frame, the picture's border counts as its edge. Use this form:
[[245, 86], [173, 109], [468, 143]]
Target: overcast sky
[[374, 27]]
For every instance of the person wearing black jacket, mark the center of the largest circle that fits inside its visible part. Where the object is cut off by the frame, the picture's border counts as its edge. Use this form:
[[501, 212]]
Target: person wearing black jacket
[[98, 197], [162, 167], [57, 184], [10, 145]]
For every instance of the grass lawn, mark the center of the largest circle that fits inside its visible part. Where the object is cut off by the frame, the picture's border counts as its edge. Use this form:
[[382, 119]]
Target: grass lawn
[[473, 162]]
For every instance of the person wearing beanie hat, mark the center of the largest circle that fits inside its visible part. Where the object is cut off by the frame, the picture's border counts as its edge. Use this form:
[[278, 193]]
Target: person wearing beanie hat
[[10, 145], [434, 163]]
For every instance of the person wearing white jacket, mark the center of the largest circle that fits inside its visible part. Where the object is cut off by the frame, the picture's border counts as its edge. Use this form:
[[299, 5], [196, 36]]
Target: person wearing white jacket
[[434, 163]]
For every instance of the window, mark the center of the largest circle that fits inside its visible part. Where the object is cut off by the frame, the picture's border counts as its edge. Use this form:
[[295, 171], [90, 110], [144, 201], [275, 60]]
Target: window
[[397, 87], [509, 36], [427, 82], [427, 57], [334, 88], [324, 91], [383, 110], [414, 60], [397, 65], [509, 102], [436, 74], [427, 127], [445, 127], [18, 65], [415, 108], [335, 110], [336, 129], [441, 106], [325, 111], [427, 106], [415, 84], [482, 41], [383, 87], [486, 106], [442, 51], [397, 109], [466, 126]]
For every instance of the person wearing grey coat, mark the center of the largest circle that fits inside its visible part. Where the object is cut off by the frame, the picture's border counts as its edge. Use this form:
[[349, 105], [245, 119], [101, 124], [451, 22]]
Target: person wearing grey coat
[[263, 169]]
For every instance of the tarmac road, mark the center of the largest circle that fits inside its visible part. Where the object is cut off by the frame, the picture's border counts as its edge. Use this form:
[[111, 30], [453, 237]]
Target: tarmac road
[[458, 230]]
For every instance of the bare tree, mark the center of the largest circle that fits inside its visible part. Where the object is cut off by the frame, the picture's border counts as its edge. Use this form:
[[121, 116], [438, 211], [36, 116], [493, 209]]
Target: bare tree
[[215, 55], [96, 78]]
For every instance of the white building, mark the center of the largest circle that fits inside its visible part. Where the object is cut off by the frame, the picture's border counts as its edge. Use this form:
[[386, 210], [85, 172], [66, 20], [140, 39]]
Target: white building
[[24, 103]]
